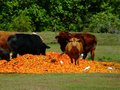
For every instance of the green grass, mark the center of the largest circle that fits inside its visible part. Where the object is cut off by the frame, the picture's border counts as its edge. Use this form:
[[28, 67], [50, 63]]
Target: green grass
[[84, 81], [108, 39], [107, 53]]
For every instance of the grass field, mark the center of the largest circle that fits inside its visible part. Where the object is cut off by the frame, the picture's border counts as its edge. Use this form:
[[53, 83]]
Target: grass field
[[83, 81], [108, 49]]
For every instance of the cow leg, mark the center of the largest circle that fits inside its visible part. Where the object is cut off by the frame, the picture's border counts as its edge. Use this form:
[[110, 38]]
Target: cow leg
[[71, 60], [92, 54], [85, 55], [77, 61], [14, 54], [8, 57]]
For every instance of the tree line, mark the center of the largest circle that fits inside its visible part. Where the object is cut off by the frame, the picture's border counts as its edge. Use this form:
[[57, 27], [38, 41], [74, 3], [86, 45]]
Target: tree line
[[101, 16]]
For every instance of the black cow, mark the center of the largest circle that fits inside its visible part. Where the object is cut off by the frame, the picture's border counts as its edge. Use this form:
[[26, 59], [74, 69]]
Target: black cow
[[26, 44]]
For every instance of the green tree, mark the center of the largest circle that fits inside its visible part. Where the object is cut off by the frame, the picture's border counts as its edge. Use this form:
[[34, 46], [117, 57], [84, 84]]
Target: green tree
[[21, 23], [104, 22], [58, 15]]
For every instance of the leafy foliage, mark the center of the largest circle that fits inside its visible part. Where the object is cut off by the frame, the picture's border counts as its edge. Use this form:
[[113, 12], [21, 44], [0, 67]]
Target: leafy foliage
[[60, 15], [104, 22]]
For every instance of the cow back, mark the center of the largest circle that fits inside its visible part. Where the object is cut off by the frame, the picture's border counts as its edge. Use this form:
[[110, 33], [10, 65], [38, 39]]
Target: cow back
[[89, 41]]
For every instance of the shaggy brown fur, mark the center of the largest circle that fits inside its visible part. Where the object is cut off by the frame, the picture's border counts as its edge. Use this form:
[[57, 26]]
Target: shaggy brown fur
[[3, 39], [74, 49]]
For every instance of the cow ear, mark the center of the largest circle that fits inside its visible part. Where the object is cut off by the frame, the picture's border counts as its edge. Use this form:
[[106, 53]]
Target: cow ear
[[47, 46], [71, 39], [67, 40], [56, 37], [78, 40]]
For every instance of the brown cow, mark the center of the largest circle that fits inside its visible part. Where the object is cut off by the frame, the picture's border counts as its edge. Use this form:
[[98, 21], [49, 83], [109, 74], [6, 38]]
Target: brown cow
[[4, 48], [89, 42], [74, 49]]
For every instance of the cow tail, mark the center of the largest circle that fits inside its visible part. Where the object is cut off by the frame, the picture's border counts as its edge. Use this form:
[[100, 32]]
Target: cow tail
[[95, 42], [83, 42]]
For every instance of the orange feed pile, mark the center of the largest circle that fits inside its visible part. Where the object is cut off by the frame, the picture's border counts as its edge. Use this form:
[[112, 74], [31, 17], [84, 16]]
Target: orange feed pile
[[55, 63]]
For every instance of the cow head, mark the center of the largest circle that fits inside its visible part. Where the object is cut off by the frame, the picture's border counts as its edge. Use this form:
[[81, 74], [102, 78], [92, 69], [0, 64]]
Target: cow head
[[63, 39], [74, 49], [43, 48]]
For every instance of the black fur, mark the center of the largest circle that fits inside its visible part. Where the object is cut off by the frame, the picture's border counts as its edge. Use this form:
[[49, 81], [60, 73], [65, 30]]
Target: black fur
[[26, 44]]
